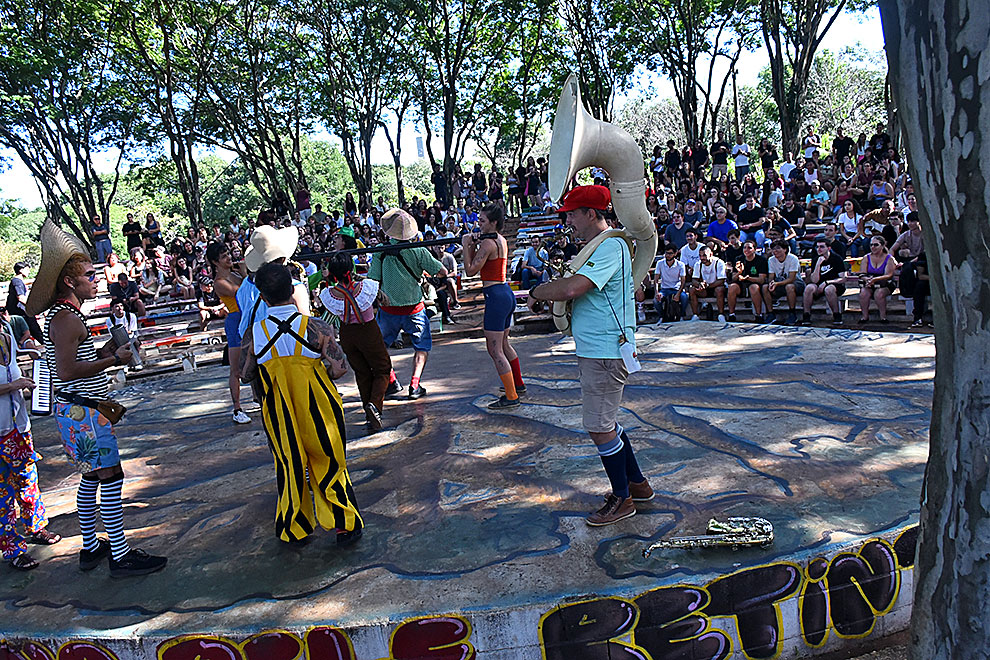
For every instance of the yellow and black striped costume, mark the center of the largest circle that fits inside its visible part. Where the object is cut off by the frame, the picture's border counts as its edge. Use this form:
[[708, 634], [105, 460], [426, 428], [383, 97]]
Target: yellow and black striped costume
[[304, 420]]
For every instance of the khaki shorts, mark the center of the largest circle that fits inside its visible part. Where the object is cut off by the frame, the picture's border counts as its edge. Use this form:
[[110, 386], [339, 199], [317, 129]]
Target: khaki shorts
[[602, 381]]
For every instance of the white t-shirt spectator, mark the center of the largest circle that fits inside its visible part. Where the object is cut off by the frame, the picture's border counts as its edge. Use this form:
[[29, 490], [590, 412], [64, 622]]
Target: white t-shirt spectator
[[779, 270], [785, 170], [670, 276], [738, 153], [849, 222], [690, 257], [715, 270]]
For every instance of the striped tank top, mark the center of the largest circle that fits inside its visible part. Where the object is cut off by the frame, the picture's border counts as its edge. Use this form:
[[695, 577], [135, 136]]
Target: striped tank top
[[95, 386]]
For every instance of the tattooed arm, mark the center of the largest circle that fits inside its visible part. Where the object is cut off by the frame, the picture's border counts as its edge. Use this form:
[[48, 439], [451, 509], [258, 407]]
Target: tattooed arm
[[321, 334]]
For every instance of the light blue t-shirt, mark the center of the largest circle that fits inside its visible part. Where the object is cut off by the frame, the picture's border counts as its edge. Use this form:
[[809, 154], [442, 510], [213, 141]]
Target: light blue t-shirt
[[247, 296], [594, 325]]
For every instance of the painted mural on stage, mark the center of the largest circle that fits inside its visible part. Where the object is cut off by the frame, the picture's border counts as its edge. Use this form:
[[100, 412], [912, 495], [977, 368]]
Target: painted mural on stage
[[740, 615]]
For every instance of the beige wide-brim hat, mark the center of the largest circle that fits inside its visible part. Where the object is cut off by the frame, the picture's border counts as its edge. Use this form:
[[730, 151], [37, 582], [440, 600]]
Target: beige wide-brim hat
[[57, 247], [269, 244], [399, 225]]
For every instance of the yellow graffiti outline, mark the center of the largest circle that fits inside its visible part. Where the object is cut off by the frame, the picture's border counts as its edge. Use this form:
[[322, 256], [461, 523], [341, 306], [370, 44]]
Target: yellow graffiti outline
[[110, 654], [698, 612], [776, 606], [175, 641], [281, 631], [433, 617], [828, 605], [20, 652], [347, 638], [614, 640], [876, 613]]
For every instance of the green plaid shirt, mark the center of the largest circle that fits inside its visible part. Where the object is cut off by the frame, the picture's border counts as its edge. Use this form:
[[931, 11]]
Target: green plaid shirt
[[396, 282]]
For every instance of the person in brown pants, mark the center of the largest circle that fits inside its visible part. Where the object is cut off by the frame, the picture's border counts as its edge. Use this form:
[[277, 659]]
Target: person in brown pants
[[352, 300]]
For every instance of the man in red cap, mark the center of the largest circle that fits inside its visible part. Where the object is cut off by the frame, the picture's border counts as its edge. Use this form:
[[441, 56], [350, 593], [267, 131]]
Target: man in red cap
[[603, 318]]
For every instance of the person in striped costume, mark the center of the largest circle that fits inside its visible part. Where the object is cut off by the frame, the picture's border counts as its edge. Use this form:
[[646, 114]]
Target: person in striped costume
[[66, 279], [294, 359]]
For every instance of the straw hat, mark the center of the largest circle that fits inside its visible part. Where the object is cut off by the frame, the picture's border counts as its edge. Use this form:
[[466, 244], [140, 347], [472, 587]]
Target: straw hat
[[57, 247], [399, 225], [269, 244]]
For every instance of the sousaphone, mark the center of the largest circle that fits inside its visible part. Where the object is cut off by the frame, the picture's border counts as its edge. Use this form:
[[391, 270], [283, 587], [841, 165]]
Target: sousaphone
[[579, 141]]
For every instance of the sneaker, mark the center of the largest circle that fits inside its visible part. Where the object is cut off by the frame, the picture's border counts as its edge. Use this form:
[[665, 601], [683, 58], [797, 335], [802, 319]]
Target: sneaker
[[615, 509], [503, 402], [520, 389], [416, 392], [695, 318], [770, 318], [90, 559], [732, 318], [393, 389], [721, 318], [373, 417], [806, 319], [240, 417], [791, 319], [136, 562], [641, 492], [837, 319], [862, 321], [917, 324], [641, 315], [456, 305], [345, 538]]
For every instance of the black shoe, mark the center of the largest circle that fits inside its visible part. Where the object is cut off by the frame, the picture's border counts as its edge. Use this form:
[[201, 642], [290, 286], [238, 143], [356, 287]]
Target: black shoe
[[806, 319], [416, 392], [90, 559], [136, 562], [770, 318], [520, 390], [503, 402], [345, 539], [373, 417], [732, 318], [393, 389], [837, 319]]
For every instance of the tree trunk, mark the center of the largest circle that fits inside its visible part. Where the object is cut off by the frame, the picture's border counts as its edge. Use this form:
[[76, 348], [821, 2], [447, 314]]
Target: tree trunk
[[936, 50]]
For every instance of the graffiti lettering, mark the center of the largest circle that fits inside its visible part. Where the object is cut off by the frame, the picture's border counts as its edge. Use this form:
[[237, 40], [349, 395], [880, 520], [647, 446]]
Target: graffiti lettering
[[198, 647], [752, 596], [432, 638], [671, 626], [272, 646], [590, 630], [814, 604], [325, 643], [862, 586]]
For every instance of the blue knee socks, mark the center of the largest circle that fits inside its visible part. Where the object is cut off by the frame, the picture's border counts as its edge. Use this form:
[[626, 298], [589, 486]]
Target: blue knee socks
[[633, 473], [614, 461]]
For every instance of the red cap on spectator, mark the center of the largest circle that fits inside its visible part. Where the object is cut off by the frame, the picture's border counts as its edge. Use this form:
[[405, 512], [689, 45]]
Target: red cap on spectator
[[586, 197]]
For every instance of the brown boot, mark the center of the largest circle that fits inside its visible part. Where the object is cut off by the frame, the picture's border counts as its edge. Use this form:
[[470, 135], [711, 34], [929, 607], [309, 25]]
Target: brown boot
[[641, 492], [615, 509]]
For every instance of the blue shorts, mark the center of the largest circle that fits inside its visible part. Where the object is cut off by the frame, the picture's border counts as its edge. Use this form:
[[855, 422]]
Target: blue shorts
[[500, 302], [417, 325], [87, 437], [231, 326]]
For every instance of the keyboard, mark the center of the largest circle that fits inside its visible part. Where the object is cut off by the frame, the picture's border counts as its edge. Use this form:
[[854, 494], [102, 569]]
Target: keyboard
[[41, 396]]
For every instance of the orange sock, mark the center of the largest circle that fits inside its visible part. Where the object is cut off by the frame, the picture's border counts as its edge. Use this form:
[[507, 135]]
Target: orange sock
[[510, 386]]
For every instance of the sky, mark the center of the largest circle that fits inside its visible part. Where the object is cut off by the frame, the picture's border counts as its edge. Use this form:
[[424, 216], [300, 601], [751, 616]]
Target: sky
[[849, 29]]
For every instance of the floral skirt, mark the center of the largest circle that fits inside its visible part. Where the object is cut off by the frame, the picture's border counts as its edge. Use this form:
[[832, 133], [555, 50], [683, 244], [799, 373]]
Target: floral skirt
[[22, 513], [87, 437]]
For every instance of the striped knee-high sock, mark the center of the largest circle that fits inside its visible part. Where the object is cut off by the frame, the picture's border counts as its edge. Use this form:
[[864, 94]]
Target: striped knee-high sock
[[86, 510], [112, 513]]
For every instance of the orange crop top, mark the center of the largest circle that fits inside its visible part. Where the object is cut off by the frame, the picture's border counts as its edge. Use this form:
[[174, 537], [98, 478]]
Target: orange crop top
[[493, 270]]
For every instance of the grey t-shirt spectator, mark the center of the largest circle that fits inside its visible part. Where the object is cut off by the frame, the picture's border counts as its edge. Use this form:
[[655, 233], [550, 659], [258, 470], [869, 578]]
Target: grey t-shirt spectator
[[676, 236], [116, 291]]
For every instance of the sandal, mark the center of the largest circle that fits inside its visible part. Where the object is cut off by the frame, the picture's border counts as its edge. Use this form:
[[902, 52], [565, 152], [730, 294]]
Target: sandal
[[44, 537], [23, 562]]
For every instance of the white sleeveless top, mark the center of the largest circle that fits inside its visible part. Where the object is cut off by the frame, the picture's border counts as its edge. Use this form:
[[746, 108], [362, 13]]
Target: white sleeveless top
[[13, 411]]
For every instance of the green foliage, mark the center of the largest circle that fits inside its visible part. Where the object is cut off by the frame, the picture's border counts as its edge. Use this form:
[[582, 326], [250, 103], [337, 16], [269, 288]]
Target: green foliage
[[651, 124], [11, 253]]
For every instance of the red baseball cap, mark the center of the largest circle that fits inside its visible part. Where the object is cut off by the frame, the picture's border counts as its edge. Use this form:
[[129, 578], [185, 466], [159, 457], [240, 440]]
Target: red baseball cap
[[585, 197]]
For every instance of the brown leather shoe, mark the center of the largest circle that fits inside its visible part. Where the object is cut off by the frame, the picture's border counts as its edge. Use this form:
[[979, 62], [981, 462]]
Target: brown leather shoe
[[641, 492], [615, 509]]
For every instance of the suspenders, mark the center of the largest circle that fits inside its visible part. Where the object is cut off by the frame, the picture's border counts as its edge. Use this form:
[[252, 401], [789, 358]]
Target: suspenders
[[285, 328]]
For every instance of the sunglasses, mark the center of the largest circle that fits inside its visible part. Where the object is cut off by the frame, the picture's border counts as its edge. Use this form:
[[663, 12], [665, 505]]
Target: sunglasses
[[90, 275]]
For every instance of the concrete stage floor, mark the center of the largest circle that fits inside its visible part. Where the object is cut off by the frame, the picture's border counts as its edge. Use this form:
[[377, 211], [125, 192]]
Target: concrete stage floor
[[479, 515]]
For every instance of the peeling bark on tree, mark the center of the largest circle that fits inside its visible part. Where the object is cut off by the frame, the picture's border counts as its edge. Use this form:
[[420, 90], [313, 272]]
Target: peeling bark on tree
[[940, 69]]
